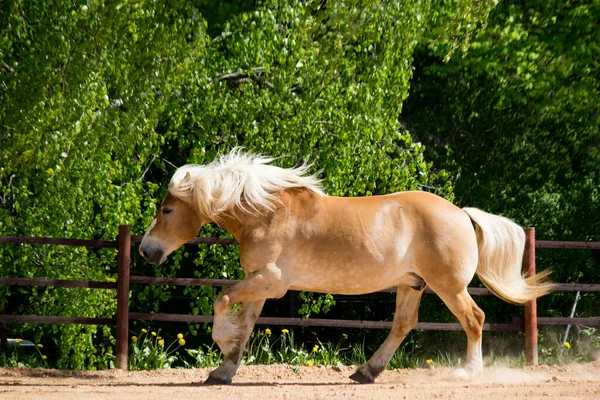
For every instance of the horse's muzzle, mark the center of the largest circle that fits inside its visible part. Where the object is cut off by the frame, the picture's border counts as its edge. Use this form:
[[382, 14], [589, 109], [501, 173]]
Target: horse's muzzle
[[153, 256]]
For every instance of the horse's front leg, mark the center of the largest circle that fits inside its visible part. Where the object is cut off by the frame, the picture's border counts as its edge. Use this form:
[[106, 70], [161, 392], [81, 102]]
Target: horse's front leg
[[230, 330], [231, 333]]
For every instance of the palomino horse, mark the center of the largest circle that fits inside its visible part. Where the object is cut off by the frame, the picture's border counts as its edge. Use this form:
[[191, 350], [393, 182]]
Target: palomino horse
[[293, 236]]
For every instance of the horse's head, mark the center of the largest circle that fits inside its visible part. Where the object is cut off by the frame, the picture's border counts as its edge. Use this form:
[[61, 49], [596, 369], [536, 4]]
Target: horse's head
[[175, 223]]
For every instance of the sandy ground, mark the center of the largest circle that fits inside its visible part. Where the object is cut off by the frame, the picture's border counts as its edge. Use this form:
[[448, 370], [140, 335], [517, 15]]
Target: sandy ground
[[283, 382]]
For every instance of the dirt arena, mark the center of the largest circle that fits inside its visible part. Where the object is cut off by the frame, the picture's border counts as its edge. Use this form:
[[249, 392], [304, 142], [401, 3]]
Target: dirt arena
[[283, 382]]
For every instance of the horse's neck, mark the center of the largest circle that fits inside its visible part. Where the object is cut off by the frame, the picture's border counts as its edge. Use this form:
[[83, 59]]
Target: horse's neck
[[238, 223], [242, 224]]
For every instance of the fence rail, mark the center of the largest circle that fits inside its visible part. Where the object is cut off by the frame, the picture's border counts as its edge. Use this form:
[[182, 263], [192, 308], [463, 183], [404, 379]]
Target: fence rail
[[543, 244], [151, 280], [528, 324]]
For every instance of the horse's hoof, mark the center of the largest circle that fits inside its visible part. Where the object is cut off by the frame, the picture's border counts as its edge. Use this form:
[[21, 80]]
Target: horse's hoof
[[461, 374], [361, 378], [213, 380]]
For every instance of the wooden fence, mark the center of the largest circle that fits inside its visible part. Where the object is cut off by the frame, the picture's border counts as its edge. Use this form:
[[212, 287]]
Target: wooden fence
[[528, 324]]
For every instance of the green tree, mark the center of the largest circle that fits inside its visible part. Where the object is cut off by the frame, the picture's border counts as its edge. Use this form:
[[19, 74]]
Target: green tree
[[517, 119], [82, 87]]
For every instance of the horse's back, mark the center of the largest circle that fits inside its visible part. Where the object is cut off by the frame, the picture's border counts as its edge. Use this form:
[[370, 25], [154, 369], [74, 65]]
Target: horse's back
[[412, 212], [361, 244]]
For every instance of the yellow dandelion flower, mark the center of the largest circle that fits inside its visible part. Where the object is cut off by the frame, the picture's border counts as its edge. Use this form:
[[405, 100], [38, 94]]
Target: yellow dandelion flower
[[309, 363], [181, 342], [430, 361], [180, 336], [316, 347], [44, 357], [268, 331], [285, 331], [40, 345], [144, 330], [153, 333], [17, 341], [134, 338], [161, 342], [344, 335], [567, 345]]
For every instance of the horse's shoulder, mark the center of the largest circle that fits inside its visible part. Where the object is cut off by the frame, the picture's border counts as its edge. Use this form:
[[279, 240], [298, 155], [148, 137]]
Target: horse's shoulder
[[299, 197]]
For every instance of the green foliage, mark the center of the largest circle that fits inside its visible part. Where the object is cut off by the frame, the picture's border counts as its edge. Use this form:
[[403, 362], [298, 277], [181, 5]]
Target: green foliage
[[82, 87], [320, 97], [204, 357], [407, 356], [455, 27], [585, 347], [266, 348], [20, 356], [263, 348], [314, 304], [516, 120], [149, 351], [518, 116]]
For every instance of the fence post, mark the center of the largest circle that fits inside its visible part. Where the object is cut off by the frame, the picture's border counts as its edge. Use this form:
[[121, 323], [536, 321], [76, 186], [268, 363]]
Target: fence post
[[3, 338], [531, 333], [123, 261]]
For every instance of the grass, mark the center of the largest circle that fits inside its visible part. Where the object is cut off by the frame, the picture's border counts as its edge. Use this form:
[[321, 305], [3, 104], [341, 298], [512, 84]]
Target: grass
[[148, 350], [265, 348], [204, 357], [585, 349], [20, 356]]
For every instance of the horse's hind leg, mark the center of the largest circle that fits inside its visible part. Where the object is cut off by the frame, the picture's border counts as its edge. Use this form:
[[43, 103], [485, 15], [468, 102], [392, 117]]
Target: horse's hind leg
[[405, 318], [233, 346], [471, 318]]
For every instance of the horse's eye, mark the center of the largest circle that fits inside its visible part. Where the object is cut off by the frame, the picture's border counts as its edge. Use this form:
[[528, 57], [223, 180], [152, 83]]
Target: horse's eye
[[166, 211]]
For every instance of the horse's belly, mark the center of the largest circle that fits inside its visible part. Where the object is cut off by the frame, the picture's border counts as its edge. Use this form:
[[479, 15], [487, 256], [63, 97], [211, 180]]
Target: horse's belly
[[353, 278], [336, 265]]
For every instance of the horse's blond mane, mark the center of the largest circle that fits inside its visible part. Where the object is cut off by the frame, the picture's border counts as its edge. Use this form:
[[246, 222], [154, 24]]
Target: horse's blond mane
[[237, 180]]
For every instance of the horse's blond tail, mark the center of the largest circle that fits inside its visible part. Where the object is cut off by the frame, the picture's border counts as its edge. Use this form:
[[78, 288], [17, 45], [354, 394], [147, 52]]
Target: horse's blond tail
[[501, 243]]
